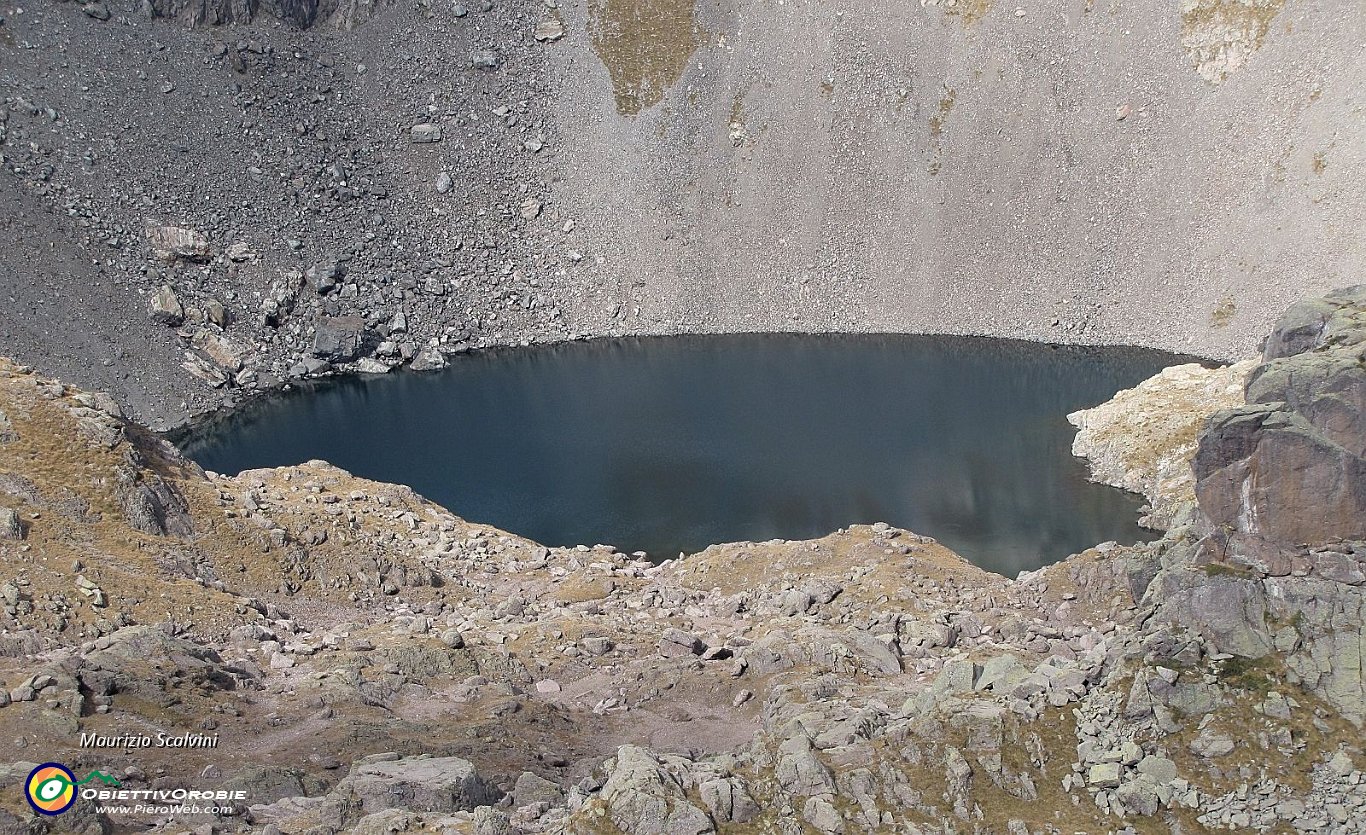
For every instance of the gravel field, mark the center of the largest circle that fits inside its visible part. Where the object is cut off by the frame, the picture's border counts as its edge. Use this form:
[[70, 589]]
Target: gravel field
[[199, 204]]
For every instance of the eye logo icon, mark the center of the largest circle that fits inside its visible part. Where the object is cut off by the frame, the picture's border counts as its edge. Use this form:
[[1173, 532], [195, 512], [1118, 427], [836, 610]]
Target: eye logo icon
[[51, 788]]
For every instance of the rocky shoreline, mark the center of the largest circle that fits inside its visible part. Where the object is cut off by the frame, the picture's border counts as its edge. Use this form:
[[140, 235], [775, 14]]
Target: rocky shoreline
[[368, 662]]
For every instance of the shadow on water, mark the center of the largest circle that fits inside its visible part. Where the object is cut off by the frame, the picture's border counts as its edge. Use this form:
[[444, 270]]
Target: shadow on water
[[670, 444]]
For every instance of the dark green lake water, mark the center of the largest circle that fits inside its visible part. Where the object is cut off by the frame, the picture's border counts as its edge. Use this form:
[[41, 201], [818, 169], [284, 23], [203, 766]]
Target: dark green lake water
[[667, 445]]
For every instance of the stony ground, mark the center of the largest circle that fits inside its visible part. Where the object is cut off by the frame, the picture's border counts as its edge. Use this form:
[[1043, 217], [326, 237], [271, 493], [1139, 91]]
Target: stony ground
[[371, 663], [202, 201]]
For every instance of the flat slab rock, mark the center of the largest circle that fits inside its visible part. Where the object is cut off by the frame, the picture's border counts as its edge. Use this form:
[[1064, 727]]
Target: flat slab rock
[[435, 784]]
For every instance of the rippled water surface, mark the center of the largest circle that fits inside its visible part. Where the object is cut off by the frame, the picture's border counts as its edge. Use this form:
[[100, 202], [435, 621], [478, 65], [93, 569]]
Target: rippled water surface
[[670, 444]]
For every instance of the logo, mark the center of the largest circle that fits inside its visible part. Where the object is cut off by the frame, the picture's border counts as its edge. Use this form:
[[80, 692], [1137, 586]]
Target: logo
[[51, 787]]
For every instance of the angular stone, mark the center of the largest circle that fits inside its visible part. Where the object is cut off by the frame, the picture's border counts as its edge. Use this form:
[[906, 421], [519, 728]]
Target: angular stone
[[1160, 769], [166, 307], [547, 687], [1340, 568], [338, 338], [429, 359], [596, 645], [1001, 674], [1341, 764], [223, 350], [877, 656], [10, 526], [1104, 775], [177, 243], [956, 677], [728, 800], [436, 784], [549, 30], [204, 370], [325, 275], [799, 771], [531, 788], [216, 313], [1212, 744], [822, 815], [424, 134], [1139, 797], [676, 643]]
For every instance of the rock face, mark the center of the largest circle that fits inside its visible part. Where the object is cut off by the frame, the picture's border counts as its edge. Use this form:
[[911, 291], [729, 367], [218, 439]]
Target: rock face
[[1288, 467], [1266, 472], [1281, 485], [644, 795], [1336, 320]]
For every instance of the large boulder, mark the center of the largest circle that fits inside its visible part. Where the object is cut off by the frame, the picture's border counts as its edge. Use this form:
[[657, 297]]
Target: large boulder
[[222, 349], [434, 784], [1228, 612], [148, 662], [644, 796], [152, 504], [338, 338]]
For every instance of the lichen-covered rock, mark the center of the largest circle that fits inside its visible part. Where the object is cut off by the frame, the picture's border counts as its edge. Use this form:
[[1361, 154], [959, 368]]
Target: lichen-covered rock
[[532, 788], [728, 800], [145, 662], [644, 796], [1338, 319], [1328, 389], [1229, 612], [153, 505]]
